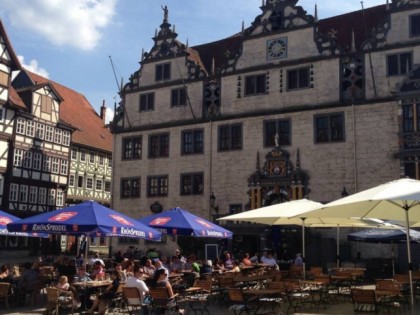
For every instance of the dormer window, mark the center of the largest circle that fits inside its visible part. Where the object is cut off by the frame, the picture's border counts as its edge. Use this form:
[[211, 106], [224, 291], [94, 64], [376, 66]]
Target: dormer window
[[46, 104], [163, 72]]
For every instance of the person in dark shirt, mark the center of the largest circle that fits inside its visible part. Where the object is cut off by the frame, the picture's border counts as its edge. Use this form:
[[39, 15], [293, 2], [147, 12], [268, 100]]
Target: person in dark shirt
[[102, 300]]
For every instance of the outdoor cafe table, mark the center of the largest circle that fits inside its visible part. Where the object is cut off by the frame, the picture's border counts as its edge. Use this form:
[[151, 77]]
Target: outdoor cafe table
[[88, 287]]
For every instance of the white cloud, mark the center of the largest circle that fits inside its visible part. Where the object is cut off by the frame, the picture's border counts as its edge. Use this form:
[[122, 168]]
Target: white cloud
[[109, 115], [76, 23], [34, 67]]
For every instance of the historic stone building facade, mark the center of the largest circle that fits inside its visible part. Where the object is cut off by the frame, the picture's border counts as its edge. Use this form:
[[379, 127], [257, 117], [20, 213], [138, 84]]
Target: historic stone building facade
[[289, 107]]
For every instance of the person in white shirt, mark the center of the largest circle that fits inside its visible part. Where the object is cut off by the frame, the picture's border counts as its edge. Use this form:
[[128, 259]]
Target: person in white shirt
[[135, 281], [269, 260], [96, 258]]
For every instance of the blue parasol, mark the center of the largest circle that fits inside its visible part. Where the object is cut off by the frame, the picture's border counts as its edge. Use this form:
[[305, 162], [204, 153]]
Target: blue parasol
[[87, 218], [178, 221], [6, 218]]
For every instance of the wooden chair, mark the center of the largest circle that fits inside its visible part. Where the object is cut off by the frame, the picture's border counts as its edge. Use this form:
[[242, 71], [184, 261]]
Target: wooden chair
[[364, 301], [116, 303], [5, 293], [239, 304], [132, 299], [162, 302], [55, 302]]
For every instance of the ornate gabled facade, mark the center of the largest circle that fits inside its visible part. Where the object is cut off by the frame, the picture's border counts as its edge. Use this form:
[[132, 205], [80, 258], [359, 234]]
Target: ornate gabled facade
[[194, 121]]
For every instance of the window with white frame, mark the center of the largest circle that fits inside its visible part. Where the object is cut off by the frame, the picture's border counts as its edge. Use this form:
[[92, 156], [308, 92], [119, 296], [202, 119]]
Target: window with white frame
[[74, 154], [99, 184], [58, 135], [55, 165], [13, 192], [66, 137], [37, 159], [40, 130], [46, 165], [20, 126], [89, 183], [27, 160], [71, 180], [101, 159], [51, 197], [92, 157], [23, 193], [60, 198], [17, 158], [64, 167], [33, 194], [49, 131], [42, 196], [30, 128], [82, 155]]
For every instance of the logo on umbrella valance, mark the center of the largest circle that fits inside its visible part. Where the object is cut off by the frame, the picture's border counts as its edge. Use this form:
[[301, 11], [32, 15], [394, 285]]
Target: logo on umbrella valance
[[4, 221]]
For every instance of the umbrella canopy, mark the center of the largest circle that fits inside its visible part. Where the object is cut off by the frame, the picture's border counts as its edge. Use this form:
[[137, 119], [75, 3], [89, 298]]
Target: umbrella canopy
[[6, 218], [397, 200], [382, 236], [87, 218], [178, 221]]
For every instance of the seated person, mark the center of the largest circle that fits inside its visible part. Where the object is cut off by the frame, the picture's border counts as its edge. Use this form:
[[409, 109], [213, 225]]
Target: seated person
[[82, 275], [28, 279], [206, 267], [4, 274], [176, 265], [101, 302], [118, 267], [298, 260], [149, 268], [246, 261], [228, 263], [98, 271], [159, 281], [235, 267], [135, 281], [66, 290]]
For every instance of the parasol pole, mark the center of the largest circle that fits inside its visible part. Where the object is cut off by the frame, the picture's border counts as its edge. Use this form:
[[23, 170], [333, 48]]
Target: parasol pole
[[303, 249], [338, 246], [410, 265]]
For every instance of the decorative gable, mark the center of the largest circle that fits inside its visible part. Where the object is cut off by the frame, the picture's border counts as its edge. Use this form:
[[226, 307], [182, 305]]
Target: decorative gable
[[279, 15]]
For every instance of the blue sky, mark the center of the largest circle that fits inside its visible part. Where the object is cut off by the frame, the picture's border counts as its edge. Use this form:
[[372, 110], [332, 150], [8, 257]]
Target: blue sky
[[70, 41]]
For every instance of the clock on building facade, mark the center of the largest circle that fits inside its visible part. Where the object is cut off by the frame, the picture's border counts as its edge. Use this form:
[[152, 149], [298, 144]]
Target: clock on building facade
[[277, 48]]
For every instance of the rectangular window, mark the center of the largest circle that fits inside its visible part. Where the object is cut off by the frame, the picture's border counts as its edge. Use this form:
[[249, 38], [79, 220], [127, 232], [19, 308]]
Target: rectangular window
[[147, 102], [298, 78], [159, 145], [132, 148], [27, 159], [74, 154], [30, 128], [51, 197], [329, 128], [178, 97], [82, 155], [80, 180], [13, 192], [60, 198], [66, 137], [99, 184], [92, 157], [58, 136], [399, 64], [279, 129], [110, 160], [192, 184], [230, 137], [46, 166], [255, 85], [17, 158], [130, 187], [101, 159], [23, 193], [2, 113], [33, 194], [411, 117], [46, 104], [37, 161], [192, 141], [42, 197], [89, 183], [20, 126], [55, 165], [71, 180], [64, 167], [415, 25], [40, 131], [4, 78], [157, 186], [49, 131], [107, 186], [163, 72]]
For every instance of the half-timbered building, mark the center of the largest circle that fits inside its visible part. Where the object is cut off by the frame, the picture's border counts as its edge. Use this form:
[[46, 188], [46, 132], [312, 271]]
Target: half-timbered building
[[289, 107]]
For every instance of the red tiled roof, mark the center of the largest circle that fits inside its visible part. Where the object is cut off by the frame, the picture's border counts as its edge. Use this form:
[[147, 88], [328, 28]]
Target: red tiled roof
[[15, 99], [360, 22], [76, 111]]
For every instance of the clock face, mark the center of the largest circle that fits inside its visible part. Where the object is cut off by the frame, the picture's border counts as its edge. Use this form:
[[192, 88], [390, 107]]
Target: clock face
[[277, 48]]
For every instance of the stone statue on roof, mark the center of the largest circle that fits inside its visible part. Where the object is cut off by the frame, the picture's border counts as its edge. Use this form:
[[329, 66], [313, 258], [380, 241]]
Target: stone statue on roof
[[165, 13]]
